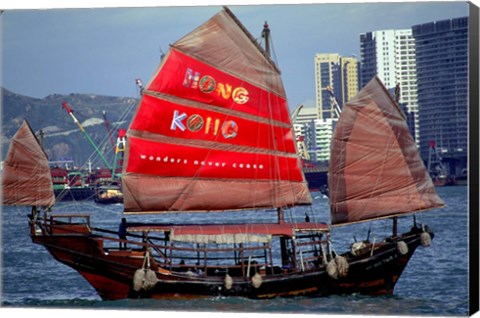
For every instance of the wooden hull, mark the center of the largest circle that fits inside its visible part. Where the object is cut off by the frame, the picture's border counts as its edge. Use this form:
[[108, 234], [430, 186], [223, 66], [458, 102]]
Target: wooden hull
[[111, 272]]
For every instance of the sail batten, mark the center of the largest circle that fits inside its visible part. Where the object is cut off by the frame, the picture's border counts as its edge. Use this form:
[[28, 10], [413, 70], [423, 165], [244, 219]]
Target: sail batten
[[26, 178], [375, 169], [205, 144], [212, 131]]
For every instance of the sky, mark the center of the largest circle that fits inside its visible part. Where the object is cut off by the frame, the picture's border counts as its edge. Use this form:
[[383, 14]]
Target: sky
[[103, 50]]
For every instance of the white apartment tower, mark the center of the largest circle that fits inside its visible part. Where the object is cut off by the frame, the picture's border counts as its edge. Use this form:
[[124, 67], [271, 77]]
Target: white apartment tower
[[323, 137], [304, 131], [390, 54], [315, 133]]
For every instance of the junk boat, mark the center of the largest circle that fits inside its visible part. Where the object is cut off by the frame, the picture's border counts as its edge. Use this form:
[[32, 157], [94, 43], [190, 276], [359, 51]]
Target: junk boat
[[212, 133]]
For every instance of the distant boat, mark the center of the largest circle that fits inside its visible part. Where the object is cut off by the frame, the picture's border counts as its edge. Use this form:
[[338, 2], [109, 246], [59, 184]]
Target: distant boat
[[103, 185], [317, 178], [108, 193], [212, 133], [71, 185], [435, 166], [462, 178]]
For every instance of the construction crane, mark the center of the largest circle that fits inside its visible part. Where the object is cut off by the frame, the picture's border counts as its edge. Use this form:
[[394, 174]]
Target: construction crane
[[90, 140], [333, 101], [295, 113], [107, 125], [119, 151]]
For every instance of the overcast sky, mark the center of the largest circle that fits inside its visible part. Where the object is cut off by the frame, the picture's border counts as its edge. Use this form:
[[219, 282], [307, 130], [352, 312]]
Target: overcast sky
[[103, 50]]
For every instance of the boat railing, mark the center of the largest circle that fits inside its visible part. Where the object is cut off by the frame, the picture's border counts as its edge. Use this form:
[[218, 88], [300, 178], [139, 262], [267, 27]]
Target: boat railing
[[71, 218], [312, 250], [72, 224], [241, 260], [236, 259]]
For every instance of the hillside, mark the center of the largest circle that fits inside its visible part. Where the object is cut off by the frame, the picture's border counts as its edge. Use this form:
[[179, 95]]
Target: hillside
[[63, 140]]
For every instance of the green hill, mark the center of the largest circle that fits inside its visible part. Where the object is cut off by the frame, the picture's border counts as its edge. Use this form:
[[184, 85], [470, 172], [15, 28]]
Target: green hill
[[63, 140]]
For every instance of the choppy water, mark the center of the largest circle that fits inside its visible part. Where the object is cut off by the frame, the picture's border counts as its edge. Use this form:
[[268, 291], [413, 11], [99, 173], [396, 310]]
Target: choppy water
[[435, 281]]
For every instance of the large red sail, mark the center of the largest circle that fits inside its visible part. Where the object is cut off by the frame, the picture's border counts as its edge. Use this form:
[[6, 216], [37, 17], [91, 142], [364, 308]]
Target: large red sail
[[375, 169], [26, 178], [213, 130]]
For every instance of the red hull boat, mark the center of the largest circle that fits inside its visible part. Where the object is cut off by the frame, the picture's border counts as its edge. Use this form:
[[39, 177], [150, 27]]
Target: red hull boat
[[212, 133]]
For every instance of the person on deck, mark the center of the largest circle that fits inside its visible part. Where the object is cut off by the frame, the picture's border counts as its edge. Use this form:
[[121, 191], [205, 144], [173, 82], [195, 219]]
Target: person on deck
[[122, 233]]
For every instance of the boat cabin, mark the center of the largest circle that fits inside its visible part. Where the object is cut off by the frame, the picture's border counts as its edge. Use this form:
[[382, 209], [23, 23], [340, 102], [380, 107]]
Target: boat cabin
[[240, 250]]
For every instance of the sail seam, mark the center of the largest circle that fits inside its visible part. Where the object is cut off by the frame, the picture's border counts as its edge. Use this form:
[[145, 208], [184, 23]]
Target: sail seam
[[239, 180], [207, 144]]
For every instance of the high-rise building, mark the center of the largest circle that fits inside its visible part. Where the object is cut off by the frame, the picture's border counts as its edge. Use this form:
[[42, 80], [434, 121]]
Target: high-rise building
[[314, 134], [334, 74], [304, 132], [390, 54], [442, 80], [323, 138]]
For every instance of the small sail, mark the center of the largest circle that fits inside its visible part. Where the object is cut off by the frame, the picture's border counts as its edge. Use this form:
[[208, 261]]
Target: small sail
[[212, 131], [375, 169], [26, 178]]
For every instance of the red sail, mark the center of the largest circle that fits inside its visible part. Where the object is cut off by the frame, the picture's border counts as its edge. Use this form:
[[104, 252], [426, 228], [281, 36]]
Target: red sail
[[375, 169], [213, 130], [26, 178]]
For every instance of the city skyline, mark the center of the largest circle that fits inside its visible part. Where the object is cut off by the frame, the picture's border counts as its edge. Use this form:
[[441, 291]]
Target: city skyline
[[438, 114], [442, 85], [103, 51]]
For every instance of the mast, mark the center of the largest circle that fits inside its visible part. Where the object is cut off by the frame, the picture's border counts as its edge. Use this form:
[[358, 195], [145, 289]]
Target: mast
[[41, 135], [266, 36], [90, 140], [280, 214]]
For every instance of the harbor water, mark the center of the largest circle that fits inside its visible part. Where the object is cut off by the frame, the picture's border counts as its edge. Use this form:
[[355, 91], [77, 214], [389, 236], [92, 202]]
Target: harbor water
[[435, 282]]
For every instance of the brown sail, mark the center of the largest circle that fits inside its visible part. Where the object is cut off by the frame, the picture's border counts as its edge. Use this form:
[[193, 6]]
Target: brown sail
[[375, 169], [213, 131], [26, 178]]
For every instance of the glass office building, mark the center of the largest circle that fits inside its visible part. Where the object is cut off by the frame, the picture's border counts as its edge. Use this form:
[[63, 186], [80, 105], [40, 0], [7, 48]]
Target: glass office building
[[442, 87]]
